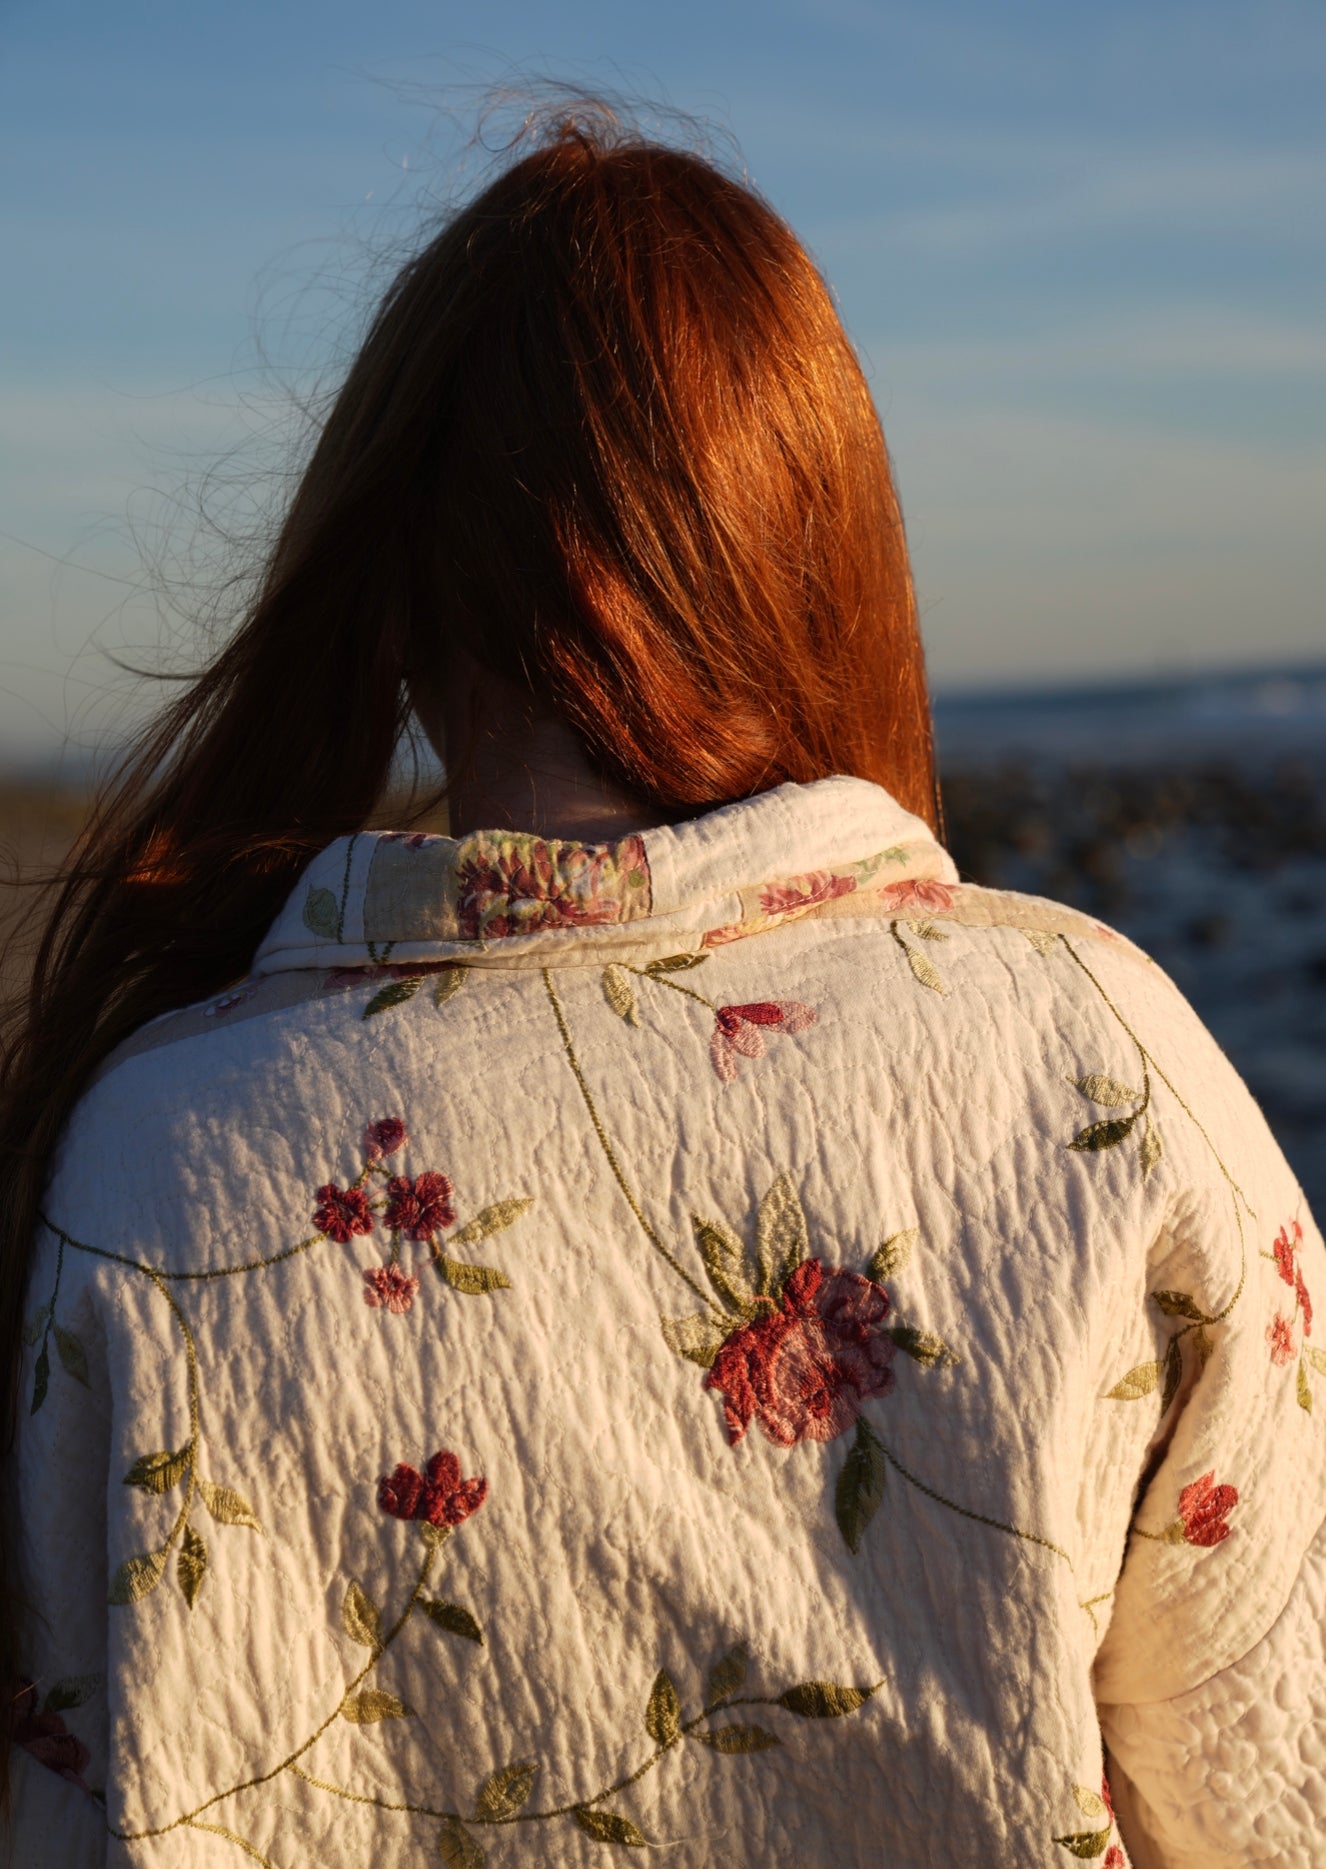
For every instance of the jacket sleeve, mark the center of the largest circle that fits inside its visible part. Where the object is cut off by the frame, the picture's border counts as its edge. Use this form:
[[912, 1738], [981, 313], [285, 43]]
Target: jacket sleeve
[[1211, 1677], [1235, 1770]]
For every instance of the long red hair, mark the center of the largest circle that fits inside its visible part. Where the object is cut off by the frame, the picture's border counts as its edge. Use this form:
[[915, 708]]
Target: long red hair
[[606, 433]]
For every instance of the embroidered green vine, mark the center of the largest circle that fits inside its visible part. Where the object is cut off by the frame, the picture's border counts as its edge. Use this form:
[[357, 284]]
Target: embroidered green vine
[[501, 1798]]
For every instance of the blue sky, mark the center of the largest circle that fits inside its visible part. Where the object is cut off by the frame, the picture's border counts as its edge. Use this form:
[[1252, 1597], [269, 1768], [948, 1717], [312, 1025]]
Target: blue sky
[[1081, 248]]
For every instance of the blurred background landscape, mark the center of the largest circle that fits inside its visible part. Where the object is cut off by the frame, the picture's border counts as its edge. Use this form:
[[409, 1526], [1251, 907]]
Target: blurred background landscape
[[1080, 250]]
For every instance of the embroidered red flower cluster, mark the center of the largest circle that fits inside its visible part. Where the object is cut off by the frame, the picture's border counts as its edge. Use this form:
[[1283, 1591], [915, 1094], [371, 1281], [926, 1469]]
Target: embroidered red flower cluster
[[803, 1369]]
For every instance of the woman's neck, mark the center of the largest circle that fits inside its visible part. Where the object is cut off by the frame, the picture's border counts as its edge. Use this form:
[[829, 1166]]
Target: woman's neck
[[513, 765]]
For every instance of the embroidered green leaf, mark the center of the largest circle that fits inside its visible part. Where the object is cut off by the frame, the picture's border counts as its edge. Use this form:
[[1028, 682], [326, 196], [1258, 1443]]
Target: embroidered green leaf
[[1138, 1382], [1105, 1135], [1180, 1304], [824, 1700], [860, 1486], [137, 1577], [888, 1260], [393, 995], [74, 1691], [676, 963], [459, 1849], [780, 1236], [227, 1506], [922, 969], [620, 994], [1151, 1150], [1085, 1842], [1106, 1090], [157, 1473], [493, 1219], [1317, 1358], [362, 1618], [191, 1565], [724, 1256], [505, 1792], [454, 1619], [927, 931], [1203, 1348], [41, 1379], [697, 1337], [739, 1739], [35, 1325], [473, 1280], [1304, 1392], [1041, 939], [727, 1674], [923, 1346], [372, 1704], [1173, 1373], [663, 1714], [1089, 1802], [321, 915], [447, 984], [608, 1827]]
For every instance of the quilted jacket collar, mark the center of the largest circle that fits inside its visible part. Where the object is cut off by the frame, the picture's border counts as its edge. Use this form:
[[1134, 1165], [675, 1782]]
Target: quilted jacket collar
[[503, 898]]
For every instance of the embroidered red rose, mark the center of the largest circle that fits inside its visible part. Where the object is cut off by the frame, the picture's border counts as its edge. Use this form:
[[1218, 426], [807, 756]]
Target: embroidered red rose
[[342, 1212], [803, 892], [388, 1288], [384, 1138], [438, 1495], [803, 1369], [1203, 1509], [420, 1207], [46, 1738], [1280, 1336], [921, 893], [1114, 1858], [739, 1031]]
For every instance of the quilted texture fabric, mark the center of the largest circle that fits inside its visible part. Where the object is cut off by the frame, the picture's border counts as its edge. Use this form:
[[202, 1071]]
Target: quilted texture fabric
[[732, 1342]]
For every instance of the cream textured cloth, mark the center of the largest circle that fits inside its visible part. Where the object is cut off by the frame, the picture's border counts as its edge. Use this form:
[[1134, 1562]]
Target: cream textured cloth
[[731, 1341]]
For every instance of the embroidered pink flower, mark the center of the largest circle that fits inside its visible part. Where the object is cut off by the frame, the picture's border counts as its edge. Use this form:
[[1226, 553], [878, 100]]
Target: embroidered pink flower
[[420, 1207], [1301, 1293], [1280, 1336], [384, 1137], [1203, 1509], [438, 1495], [1114, 1858], [1285, 1249], [923, 894], [803, 892], [228, 1002], [413, 840], [739, 1031], [510, 883], [46, 1738], [388, 1288], [803, 1369], [342, 1212]]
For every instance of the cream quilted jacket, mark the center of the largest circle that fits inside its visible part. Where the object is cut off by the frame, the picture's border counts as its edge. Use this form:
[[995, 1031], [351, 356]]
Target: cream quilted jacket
[[730, 1343]]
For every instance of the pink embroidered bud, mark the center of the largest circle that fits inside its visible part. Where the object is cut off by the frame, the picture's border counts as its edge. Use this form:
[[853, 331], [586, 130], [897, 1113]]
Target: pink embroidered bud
[[1203, 1509], [438, 1495], [384, 1137], [739, 1031]]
